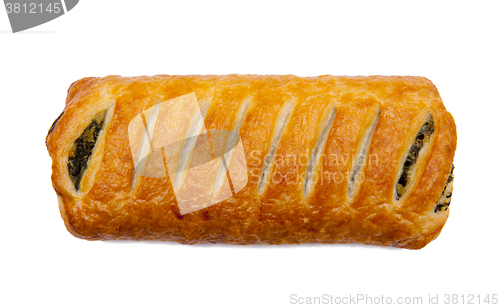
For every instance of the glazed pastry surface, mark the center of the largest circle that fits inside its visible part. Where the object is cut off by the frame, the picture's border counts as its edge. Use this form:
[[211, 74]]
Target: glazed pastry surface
[[328, 159]]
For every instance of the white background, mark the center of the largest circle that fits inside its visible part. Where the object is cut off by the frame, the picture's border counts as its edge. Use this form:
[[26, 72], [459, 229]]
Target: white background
[[455, 44]]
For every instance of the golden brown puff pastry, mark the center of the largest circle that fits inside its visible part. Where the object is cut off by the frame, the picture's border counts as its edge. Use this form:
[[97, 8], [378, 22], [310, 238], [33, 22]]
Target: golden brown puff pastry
[[328, 159]]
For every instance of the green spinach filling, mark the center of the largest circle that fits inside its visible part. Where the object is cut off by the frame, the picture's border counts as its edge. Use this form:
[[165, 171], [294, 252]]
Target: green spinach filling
[[444, 201], [423, 136], [81, 151]]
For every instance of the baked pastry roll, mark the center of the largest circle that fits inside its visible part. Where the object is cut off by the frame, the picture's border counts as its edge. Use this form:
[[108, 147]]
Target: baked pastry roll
[[245, 159]]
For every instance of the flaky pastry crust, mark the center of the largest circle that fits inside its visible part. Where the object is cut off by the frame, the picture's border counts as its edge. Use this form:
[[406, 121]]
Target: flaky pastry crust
[[279, 210]]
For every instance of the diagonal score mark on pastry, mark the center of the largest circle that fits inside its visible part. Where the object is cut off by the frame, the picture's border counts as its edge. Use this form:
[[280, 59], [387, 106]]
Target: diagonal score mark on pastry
[[281, 123], [83, 147], [361, 157], [318, 149], [233, 140], [163, 138], [408, 169], [196, 129], [149, 118], [445, 199]]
